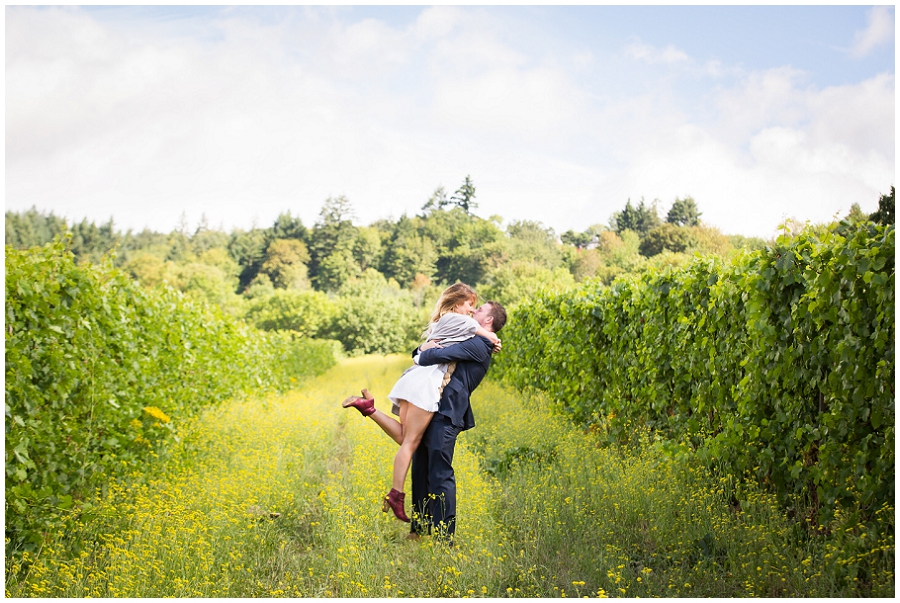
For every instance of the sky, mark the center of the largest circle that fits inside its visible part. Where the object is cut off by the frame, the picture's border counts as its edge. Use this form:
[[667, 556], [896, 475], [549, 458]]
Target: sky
[[560, 115]]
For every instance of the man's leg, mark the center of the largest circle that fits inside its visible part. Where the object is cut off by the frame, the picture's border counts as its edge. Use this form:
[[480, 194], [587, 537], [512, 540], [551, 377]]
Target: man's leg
[[440, 441], [415, 421], [420, 516]]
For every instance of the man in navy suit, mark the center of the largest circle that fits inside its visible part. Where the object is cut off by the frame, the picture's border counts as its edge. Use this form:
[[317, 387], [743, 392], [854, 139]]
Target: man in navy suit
[[433, 480]]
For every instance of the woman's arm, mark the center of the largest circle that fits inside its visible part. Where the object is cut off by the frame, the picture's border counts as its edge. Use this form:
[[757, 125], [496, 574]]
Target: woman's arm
[[490, 335], [452, 328]]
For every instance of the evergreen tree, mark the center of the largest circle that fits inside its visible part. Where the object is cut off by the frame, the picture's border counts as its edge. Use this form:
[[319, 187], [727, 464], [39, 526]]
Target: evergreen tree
[[684, 212], [248, 249], [464, 196], [576, 239], [331, 245], [31, 228], [640, 219], [885, 213], [437, 201], [91, 242], [288, 227]]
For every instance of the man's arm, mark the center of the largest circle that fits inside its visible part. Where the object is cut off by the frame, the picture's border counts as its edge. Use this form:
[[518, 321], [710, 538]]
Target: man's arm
[[477, 349]]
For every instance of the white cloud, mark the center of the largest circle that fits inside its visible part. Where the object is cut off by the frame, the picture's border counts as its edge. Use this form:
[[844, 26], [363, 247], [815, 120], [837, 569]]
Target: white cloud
[[774, 147], [861, 116], [713, 68], [539, 102], [370, 47], [649, 54], [438, 22], [171, 125], [166, 127], [880, 30], [786, 177], [759, 99], [251, 120], [792, 153], [471, 50]]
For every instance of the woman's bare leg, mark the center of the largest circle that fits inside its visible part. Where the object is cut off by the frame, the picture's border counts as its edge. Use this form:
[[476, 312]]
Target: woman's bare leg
[[415, 420], [389, 424], [366, 405]]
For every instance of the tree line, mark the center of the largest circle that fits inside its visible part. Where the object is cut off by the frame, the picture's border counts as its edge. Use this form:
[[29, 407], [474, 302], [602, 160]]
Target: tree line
[[328, 279]]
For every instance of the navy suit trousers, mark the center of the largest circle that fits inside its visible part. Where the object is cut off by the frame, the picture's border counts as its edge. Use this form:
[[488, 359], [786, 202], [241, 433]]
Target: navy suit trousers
[[433, 480]]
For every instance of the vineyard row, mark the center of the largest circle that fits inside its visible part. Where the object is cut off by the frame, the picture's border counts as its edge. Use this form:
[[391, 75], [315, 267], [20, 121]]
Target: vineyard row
[[777, 364]]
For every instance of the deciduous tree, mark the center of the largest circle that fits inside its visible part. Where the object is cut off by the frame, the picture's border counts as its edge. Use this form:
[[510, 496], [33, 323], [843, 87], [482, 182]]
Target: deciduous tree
[[515, 281], [667, 237], [531, 242], [375, 316], [410, 253], [285, 264]]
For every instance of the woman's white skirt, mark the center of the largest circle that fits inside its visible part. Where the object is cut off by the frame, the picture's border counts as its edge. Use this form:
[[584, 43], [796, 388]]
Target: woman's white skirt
[[419, 385]]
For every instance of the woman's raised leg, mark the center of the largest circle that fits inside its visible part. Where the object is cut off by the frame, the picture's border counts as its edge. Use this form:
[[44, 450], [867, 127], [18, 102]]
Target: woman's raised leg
[[390, 425], [366, 406]]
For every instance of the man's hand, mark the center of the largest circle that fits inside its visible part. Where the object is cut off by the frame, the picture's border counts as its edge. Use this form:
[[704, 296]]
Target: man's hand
[[497, 346]]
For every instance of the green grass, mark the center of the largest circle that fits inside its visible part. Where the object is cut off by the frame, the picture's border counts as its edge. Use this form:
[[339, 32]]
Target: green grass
[[543, 512]]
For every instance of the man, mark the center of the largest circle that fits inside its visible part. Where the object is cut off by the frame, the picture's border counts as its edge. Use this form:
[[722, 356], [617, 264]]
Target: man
[[433, 479]]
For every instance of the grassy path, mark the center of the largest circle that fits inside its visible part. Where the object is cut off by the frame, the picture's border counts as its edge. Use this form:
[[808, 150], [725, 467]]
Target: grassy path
[[203, 527], [542, 512]]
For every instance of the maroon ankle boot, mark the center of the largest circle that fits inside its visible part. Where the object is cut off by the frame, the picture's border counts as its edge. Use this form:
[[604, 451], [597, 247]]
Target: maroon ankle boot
[[366, 406], [394, 500]]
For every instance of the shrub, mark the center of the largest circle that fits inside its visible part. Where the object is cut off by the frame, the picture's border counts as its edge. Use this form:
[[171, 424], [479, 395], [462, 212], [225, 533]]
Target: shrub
[[666, 237], [510, 283], [375, 316], [306, 313], [100, 371], [779, 364]]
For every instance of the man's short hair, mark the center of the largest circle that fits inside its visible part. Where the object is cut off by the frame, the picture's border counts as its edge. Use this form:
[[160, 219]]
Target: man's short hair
[[498, 313]]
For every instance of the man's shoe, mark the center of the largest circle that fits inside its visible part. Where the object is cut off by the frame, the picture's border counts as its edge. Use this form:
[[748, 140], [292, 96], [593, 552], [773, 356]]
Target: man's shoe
[[413, 536], [366, 406]]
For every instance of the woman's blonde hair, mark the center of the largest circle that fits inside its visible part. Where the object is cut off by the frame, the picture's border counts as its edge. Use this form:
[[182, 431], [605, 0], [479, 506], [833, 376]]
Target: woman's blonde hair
[[453, 296]]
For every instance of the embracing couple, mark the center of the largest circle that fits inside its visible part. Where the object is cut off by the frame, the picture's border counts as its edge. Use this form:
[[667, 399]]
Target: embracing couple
[[432, 401]]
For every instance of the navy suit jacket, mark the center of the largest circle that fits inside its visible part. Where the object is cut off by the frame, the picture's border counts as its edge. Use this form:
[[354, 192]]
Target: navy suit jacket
[[473, 358]]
